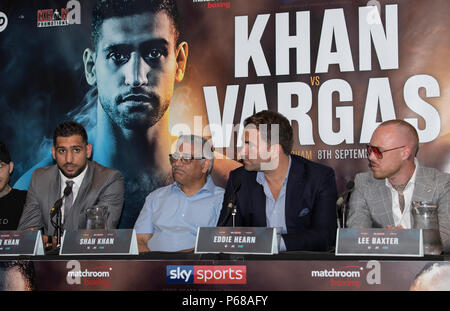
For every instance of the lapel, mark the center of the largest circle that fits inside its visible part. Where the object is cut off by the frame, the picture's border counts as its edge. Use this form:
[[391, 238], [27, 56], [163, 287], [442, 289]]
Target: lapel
[[54, 193], [423, 190], [258, 198], [294, 189], [77, 205]]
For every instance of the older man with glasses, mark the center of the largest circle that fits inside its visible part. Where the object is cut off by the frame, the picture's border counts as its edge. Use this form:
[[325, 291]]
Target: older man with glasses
[[382, 198], [171, 215]]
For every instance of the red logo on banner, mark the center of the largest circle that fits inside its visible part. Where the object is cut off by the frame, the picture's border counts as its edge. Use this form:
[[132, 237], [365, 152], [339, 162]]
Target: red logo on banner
[[220, 274], [52, 15], [60, 17]]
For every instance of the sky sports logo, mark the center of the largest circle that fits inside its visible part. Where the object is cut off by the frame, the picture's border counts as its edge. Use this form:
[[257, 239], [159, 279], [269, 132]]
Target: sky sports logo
[[206, 274]]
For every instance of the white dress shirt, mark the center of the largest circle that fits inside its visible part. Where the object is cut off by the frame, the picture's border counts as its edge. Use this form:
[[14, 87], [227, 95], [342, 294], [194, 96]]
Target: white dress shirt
[[75, 187], [403, 219]]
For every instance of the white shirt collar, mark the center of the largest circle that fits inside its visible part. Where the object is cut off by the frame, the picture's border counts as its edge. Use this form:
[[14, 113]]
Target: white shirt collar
[[75, 187], [403, 219], [411, 181], [77, 180], [261, 178]]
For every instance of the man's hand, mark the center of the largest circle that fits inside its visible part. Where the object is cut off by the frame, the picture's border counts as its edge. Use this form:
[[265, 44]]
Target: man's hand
[[396, 227], [49, 244], [190, 250], [142, 240]]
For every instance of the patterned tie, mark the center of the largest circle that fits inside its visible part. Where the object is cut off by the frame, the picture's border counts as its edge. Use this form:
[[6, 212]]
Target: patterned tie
[[401, 201], [401, 197], [69, 198]]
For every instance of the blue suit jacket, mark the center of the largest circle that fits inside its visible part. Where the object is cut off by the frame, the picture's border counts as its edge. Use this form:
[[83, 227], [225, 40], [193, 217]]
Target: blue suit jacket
[[310, 205]]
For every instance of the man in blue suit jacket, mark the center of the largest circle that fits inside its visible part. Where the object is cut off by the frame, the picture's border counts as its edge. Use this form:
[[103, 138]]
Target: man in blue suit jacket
[[281, 190]]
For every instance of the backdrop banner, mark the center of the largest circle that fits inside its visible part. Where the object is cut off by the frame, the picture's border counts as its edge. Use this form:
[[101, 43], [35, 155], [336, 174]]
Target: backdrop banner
[[229, 275], [335, 69]]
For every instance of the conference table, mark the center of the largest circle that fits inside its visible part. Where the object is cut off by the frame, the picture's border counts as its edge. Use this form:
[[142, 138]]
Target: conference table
[[190, 272]]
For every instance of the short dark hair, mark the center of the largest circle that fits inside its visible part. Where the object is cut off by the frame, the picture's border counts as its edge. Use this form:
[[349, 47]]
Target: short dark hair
[[69, 128], [4, 153], [105, 9], [269, 117], [26, 268]]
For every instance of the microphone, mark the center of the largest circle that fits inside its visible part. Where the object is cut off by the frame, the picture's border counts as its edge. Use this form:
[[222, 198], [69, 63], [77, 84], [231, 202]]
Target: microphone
[[56, 207], [341, 203], [231, 201], [55, 210], [237, 186], [343, 198], [58, 204]]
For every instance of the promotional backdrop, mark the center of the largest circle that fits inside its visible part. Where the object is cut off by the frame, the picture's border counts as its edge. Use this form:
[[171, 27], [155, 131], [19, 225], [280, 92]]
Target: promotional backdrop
[[335, 69]]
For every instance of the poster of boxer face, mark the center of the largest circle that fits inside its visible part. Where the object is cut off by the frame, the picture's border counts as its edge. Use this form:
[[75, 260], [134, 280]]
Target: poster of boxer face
[[335, 69]]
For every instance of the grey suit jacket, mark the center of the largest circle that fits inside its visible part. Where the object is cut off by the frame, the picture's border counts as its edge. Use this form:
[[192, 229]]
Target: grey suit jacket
[[100, 186], [371, 200]]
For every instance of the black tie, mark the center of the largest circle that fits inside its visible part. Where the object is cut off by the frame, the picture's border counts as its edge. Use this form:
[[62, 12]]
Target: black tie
[[68, 198]]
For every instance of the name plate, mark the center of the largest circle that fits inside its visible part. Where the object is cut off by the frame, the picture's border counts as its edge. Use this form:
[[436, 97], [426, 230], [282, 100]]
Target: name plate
[[99, 242], [16, 243], [379, 242], [237, 240]]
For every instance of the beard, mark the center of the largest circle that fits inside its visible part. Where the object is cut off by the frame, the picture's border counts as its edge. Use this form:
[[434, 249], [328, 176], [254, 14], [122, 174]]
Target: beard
[[251, 165], [74, 174], [134, 112]]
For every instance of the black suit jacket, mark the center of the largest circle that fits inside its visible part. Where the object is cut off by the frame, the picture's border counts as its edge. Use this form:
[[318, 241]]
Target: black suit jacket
[[310, 205]]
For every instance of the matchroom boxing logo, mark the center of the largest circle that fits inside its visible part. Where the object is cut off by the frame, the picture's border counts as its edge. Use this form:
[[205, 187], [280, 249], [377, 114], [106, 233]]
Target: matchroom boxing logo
[[351, 276], [97, 276]]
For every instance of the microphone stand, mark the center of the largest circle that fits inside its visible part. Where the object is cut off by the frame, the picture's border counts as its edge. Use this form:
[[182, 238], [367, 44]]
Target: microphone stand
[[58, 228], [56, 211], [342, 202], [232, 208], [344, 211], [233, 215], [232, 211], [338, 219]]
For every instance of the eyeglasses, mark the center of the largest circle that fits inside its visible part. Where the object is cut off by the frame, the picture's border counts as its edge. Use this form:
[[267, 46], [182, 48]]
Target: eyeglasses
[[185, 158], [378, 153]]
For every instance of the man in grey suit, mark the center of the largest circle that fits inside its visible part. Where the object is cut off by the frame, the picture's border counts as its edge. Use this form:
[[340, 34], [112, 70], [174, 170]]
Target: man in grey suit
[[91, 184], [382, 198]]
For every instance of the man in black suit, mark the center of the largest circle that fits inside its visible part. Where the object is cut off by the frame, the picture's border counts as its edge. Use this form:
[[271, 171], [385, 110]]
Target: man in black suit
[[282, 190]]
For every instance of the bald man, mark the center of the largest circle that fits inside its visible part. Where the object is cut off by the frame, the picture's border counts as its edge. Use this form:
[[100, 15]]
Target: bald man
[[382, 198]]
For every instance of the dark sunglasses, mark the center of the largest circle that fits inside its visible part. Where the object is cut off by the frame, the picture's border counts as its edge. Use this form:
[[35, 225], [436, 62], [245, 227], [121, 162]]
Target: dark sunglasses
[[183, 157], [377, 152]]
